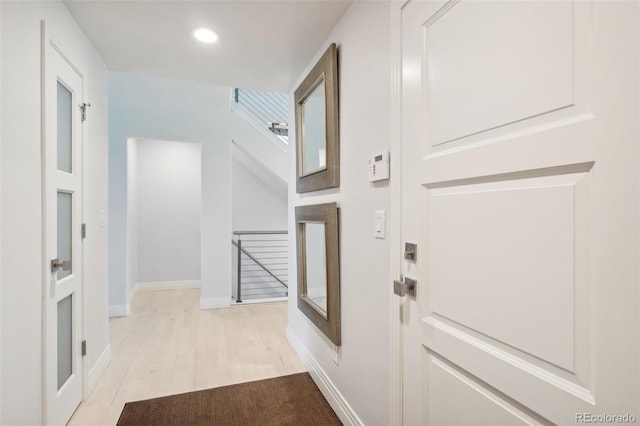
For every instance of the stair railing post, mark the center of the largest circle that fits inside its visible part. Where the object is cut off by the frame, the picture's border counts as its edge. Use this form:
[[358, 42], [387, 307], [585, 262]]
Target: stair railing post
[[239, 298]]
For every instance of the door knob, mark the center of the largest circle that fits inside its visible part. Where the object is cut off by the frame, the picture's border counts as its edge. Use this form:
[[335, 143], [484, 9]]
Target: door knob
[[58, 265]]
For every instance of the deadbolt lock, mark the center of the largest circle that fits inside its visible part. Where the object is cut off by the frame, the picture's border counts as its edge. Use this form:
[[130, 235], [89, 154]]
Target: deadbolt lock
[[410, 251]]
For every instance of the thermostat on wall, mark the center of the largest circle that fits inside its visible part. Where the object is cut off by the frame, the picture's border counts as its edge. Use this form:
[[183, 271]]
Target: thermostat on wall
[[379, 166]]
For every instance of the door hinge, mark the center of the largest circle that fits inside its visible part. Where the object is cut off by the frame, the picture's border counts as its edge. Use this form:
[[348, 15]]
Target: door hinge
[[83, 111], [84, 348], [83, 231]]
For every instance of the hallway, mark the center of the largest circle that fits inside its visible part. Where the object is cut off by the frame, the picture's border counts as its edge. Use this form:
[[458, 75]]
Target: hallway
[[168, 345]]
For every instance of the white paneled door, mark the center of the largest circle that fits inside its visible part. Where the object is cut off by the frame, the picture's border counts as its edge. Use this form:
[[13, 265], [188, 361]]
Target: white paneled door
[[62, 150], [521, 189]]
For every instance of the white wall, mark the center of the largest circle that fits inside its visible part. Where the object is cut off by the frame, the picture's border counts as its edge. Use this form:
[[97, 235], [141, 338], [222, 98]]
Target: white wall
[[155, 108], [362, 373], [259, 197], [0, 206], [168, 210], [132, 213], [22, 270], [270, 152]]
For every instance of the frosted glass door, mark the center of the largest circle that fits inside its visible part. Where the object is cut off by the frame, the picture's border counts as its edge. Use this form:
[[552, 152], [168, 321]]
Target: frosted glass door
[[65, 340], [65, 133], [65, 220], [63, 298]]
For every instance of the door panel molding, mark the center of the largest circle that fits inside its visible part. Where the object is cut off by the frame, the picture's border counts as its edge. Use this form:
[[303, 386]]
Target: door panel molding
[[523, 261], [449, 380], [523, 174], [559, 93], [486, 359], [541, 368]]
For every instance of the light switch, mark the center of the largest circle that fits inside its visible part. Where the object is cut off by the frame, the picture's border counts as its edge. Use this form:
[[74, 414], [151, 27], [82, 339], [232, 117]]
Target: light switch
[[380, 224]]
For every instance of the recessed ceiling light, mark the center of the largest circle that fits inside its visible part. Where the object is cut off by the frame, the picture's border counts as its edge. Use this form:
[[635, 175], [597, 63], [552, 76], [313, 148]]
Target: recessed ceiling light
[[205, 35]]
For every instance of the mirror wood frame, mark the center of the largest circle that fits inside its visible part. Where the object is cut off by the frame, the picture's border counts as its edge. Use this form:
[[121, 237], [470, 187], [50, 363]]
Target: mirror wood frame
[[328, 177], [327, 214]]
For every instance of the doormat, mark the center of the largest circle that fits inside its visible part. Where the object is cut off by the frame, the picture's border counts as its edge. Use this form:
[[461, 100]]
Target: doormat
[[287, 400]]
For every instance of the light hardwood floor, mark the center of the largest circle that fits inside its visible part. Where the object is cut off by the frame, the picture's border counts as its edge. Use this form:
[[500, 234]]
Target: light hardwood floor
[[168, 345]]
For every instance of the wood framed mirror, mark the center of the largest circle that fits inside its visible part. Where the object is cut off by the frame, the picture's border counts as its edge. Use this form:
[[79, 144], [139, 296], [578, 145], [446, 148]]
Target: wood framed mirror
[[317, 126], [319, 267]]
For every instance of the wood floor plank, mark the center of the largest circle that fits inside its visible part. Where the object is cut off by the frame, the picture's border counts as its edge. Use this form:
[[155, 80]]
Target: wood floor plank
[[167, 345]]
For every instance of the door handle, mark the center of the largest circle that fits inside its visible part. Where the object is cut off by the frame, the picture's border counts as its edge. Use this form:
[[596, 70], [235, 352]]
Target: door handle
[[406, 286], [58, 265]]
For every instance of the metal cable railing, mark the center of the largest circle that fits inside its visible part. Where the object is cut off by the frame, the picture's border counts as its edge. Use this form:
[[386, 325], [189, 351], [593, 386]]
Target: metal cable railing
[[262, 265], [268, 109]]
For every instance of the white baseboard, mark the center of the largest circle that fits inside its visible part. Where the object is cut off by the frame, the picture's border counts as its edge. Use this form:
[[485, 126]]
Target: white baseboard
[[98, 369], [336, 400], [119, 310], [255, 301], [215, 302], [124, 310], [134, 292], [162, 286]]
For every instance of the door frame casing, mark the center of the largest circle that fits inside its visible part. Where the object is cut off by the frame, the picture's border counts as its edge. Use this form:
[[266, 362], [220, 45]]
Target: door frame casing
[[0, 201], [395, 184], [51, 44]]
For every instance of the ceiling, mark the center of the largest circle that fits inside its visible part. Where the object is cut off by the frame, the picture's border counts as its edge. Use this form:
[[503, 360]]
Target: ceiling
[[263, 44]]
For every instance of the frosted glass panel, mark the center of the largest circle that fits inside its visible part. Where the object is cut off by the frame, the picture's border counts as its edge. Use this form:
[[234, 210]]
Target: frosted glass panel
[[314, 132], [65, 333], [316, 265], [64, 231], [64, 129]]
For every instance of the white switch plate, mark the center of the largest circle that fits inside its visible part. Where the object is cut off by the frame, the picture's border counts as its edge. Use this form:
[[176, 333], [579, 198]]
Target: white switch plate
[[379, 225]]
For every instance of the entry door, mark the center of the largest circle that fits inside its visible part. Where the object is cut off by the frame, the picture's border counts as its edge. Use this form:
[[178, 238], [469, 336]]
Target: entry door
[[63, 251], [520, 188]]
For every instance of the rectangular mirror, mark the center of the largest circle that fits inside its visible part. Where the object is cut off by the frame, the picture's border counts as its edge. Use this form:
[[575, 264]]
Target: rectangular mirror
[[317, 127], [318, 267], [314, 134], [316, 264]]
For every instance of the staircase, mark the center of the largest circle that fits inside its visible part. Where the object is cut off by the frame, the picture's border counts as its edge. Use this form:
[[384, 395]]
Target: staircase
[[261, 266], [267, 110], [259, 130]]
